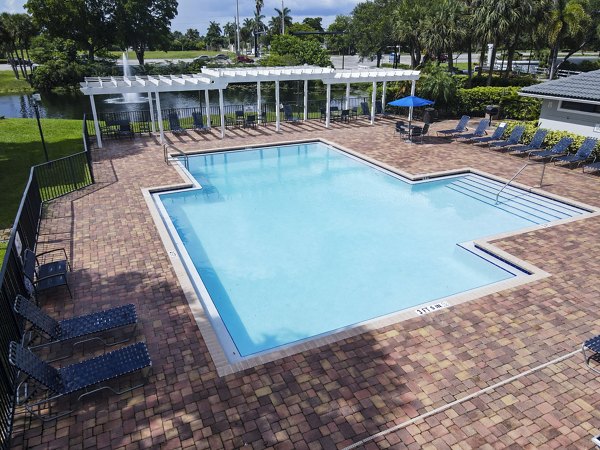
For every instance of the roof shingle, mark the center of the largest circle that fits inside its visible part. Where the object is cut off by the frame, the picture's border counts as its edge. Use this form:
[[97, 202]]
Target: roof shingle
[[585, 86]]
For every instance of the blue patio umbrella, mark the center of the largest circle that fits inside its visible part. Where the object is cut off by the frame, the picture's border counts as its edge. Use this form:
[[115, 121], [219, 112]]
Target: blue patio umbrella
[[411, 101]]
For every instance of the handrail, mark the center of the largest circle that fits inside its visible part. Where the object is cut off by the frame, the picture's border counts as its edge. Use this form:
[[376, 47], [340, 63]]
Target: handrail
[[186, 161], [517, 174]]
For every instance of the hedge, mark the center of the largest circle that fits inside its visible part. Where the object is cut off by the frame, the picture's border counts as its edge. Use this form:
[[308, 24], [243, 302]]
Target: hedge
[[473, 102], [552, 137]]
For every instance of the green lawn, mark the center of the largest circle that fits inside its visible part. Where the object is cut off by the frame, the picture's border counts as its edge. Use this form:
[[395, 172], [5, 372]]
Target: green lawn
[[21, 148], [185, 54], [8, 83]]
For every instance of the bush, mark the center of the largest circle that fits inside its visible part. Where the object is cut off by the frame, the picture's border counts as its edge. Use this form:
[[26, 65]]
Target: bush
[[516, 80], [552, 137], [473, 102], [63, 74]]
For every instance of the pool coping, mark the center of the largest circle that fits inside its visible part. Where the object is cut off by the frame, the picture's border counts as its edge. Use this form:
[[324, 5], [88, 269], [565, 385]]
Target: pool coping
[[225, 367]]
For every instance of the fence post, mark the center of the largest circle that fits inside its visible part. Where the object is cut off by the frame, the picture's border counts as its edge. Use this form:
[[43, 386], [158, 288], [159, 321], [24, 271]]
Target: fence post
[[86, 148]]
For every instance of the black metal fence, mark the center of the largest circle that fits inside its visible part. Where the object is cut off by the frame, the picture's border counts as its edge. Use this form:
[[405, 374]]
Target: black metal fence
[[131, 123], [46, 182]]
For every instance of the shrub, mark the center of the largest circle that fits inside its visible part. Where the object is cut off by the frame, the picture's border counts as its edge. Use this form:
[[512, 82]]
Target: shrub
[[552, 137], [477, 81], [473, 102]]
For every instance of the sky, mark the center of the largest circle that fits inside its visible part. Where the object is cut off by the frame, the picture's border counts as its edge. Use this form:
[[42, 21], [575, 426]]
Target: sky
[[198, 13]]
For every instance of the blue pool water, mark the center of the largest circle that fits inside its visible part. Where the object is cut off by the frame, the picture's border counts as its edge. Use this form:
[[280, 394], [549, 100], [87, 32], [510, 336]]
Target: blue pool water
[[295, 241]]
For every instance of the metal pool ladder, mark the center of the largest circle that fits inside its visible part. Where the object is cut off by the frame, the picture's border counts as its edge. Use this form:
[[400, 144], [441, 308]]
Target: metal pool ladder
[[186, 161], [518, 173]]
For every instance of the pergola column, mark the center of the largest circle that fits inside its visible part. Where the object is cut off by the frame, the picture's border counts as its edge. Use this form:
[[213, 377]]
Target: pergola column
[[347, 96], [305, 100], [277, 115], [258, 102], [160, 119], [373, 100], [328, 106], [383, 96], [207, 107], [222, 113], [96, 124], [413, 86], [152, 124]]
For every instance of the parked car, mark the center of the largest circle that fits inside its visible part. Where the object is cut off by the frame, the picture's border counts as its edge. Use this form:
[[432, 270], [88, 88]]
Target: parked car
[[204, 58], [244, 59], [223, 57]]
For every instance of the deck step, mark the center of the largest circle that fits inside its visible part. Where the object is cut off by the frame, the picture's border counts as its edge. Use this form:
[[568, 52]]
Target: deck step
[[532, 207]]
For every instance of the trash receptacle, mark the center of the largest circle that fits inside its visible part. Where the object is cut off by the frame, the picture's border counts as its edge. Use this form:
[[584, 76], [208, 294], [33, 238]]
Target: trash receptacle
[[429, 115], [492, 112]]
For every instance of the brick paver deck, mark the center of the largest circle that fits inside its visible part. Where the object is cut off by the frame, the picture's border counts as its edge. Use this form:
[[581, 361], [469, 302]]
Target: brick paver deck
[[338, 394]]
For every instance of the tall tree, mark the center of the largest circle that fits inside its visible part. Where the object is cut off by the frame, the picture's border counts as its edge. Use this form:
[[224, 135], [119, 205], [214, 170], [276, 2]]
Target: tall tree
[[144, 25], [213, 38], [276, 25], [340, 43], [372, 28], [90, 23], [408, 26], [229, 30], [567, 20], [258, 24], [314, 23], [442, 29]]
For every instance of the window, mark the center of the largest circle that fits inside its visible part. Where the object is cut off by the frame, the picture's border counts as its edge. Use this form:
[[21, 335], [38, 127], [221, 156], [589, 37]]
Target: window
[[580, 107]]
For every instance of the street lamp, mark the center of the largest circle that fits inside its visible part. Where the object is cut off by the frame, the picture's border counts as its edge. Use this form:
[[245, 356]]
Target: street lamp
[[34, 100]]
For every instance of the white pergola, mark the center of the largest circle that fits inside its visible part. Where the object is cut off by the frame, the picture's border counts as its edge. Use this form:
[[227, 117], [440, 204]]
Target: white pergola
[[219, 79]]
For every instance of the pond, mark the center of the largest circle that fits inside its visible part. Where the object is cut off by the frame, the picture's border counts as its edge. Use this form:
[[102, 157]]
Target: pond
[[74, 105]]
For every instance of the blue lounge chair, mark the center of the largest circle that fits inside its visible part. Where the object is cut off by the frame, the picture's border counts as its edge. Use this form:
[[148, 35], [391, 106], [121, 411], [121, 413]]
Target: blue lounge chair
[[496, 135], [78, 329], [592, 166], [460, 127], [583, 153], [288, 114], [40, 276], [174, 123], [560, 148], [513, 139], [478, 132], [199, 122], [535, 144], [90, 375], [591, 352]]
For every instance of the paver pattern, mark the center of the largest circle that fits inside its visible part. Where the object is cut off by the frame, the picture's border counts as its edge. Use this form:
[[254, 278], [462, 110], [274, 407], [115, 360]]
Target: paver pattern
[[337, 394]]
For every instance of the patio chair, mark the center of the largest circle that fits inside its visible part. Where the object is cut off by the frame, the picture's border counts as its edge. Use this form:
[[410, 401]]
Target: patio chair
[[288, 114], [379, 110], [240, 117], [79, 329], [199, 122], [124, 129], [364, 107], [591, 352], [459, 128], [174, 123], [354, 112], [40, 276], [583, 153], [513, 138], [535, 144], [496, 135], [592, 166], [419, 132], [478, 132], [345, 116], [90, 376], [560, 148], [263, 118], [250, 121], [401, 128]]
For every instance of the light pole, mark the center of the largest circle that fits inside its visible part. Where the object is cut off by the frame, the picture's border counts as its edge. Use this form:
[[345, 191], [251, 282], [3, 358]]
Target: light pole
[[34, 99], [237, 27], [282, 19]]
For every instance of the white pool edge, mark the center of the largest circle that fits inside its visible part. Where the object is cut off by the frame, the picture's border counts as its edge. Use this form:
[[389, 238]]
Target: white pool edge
[[222, 363]]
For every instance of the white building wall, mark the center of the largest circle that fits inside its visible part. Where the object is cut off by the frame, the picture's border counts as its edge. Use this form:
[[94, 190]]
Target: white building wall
[[575, 122]]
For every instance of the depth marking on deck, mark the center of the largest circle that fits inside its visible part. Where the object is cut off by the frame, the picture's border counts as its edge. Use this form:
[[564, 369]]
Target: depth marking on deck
[[460, 400]]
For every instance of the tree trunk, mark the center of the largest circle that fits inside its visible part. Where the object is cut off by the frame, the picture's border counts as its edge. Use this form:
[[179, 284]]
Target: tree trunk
[[509, 61], [481, 59], [13, 64], [553, 59], [491, 71], [91, 52], [139, 53], [378, 58], [469, 63], [450, 61]]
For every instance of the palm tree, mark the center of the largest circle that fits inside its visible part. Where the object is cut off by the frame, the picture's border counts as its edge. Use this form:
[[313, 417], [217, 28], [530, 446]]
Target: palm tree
[[567, 19], [276, 24], [443, 29], [258, 24]]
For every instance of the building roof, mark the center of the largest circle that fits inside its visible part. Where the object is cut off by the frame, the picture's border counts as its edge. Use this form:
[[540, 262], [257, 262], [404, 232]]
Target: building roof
[[584, 87], [220, 78]]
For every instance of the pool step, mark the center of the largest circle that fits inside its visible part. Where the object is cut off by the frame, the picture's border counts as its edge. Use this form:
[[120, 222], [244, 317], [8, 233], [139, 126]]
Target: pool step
[[535, 208]]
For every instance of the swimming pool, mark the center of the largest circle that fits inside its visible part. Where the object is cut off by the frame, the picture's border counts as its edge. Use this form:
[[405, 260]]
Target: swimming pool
[[297, 241]]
